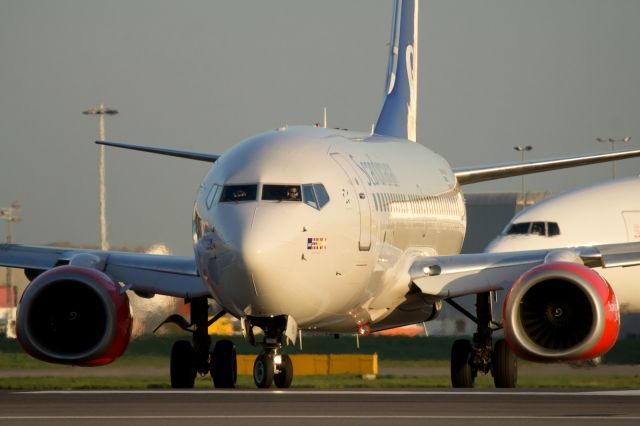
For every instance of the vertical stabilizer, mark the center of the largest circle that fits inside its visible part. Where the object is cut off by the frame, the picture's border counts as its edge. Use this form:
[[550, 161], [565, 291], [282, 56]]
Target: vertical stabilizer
[[398, 115]]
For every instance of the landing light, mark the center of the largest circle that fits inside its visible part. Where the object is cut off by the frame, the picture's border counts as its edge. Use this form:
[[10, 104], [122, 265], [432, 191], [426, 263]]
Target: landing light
[[364, 329], [432, 270]]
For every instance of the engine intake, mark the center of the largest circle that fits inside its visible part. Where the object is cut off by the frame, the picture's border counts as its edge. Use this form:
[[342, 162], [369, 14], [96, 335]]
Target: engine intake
[[74, 315], [561, 312]]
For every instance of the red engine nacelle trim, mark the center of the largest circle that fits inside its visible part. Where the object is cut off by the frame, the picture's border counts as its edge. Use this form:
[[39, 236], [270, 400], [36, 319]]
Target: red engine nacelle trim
[[74, 315], [541, 333]]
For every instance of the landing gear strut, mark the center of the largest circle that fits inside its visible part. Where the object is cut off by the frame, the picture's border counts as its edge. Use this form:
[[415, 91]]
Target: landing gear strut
[[468, 359], [189, 359], [271, 366]]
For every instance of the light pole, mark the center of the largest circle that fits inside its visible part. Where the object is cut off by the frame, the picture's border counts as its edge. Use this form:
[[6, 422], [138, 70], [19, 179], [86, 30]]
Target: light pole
[[612, 141], [101, 111], [522, 149], [10, 215]]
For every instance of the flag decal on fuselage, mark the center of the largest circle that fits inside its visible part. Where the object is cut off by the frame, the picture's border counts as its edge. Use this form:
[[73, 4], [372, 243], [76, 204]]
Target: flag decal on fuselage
[[316, 243]]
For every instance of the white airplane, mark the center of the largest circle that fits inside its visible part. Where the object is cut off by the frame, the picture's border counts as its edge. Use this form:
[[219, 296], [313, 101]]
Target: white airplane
[[609, 212], [306, 228]]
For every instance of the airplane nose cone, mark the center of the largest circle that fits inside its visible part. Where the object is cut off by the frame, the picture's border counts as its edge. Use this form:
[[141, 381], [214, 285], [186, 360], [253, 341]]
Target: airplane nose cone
[[258, 247], [224, 260], [494, 245]]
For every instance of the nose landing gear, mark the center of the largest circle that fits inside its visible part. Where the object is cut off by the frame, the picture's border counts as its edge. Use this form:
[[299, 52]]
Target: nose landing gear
[[270, 366], [284, 372]]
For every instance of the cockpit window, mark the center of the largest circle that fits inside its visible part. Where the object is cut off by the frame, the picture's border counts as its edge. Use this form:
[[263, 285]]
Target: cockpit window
[[239, 193], [537, 228], [321, 194], [548, 229], [313, 195], [518, 229], [309, 196], [211, 196], [281, 193]]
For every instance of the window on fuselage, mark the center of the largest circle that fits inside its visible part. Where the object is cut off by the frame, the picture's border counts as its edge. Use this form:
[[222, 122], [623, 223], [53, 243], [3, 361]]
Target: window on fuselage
[[548, 229], [309, 196], [321, 194], [238, 193], [313, 195], [518, 228], [281, 193], [537, 228], [211, 196], [553, 229]]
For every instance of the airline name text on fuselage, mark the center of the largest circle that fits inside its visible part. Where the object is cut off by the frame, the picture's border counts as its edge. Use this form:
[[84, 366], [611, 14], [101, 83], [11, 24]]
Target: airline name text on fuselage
[[378, 174]]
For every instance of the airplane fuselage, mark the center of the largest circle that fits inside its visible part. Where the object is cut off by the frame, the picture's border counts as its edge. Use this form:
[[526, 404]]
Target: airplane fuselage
[[330, 264], [604, 213]]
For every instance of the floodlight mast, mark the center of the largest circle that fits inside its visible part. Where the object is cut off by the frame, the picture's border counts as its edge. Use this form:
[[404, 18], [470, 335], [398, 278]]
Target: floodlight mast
[[612, 141], [522, 149], [101, 111], [10, 215]]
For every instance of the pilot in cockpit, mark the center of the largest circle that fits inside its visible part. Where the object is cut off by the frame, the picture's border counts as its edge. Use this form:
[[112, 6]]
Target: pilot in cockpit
[[293, 193]]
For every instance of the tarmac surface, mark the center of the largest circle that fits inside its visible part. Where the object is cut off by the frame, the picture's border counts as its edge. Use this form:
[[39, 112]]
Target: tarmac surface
[[320, 407], [523, 370]]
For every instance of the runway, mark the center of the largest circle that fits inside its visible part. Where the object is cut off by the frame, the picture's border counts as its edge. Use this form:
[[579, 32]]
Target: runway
[[316, 407]]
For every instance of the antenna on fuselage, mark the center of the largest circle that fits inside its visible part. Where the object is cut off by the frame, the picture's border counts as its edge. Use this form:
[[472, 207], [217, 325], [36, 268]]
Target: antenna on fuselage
[[325, 117]]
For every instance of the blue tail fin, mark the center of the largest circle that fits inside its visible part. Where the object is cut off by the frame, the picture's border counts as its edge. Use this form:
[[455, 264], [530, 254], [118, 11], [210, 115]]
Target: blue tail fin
[[398, 115]]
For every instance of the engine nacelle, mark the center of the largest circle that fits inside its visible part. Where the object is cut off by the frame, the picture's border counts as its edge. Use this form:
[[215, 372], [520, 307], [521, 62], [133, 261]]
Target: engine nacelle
[[74, 315], [561, 312]]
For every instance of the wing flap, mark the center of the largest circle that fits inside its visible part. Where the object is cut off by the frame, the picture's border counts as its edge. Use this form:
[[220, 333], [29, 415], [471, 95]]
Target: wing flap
[[619, 255]]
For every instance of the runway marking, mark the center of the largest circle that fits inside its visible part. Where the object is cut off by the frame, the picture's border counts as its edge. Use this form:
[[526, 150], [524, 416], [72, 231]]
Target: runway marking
[[623, 392], [327, 417]]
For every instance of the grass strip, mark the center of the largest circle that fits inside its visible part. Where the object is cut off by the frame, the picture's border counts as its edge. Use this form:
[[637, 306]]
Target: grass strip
[[317, 382]]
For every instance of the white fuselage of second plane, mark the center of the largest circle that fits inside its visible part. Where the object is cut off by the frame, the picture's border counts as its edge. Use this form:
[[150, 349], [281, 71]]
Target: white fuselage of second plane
[[338, 256], [603, 213]]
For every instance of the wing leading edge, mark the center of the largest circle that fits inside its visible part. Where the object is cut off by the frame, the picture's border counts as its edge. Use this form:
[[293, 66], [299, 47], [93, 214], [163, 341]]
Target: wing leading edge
[[191, 155], [475, 174], [143, 273], [453, 276]]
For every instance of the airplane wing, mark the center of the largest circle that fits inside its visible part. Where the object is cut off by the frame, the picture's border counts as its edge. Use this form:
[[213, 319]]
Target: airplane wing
[[475, 174], [459, 275], [145, 274], [191, 155]]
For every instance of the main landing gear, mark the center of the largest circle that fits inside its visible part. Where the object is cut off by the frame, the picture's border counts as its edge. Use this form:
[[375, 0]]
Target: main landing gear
[[189, 359], [270, 366], [468, 359]]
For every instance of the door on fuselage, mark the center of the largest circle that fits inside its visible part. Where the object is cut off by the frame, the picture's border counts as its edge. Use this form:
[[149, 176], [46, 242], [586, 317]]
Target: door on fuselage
[[361, 195], [632, 222]]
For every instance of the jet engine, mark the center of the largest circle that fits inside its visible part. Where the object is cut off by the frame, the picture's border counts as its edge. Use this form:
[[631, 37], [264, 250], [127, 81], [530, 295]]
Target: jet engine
[[74, 315], [561, 312]]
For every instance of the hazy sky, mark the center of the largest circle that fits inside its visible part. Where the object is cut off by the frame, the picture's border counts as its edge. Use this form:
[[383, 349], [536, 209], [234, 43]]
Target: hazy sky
[[203, 75]]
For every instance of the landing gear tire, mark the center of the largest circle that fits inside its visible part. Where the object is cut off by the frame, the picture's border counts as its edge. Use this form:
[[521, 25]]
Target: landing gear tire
[[504, 366], [224, 367], [462, 374], [182, 368], [284, 377], [263, 371]]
